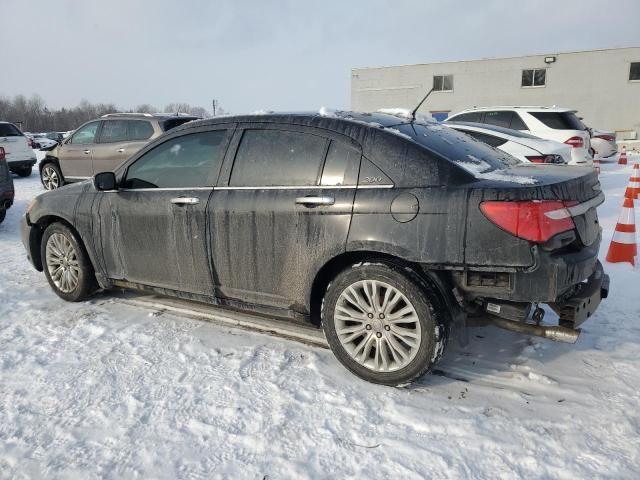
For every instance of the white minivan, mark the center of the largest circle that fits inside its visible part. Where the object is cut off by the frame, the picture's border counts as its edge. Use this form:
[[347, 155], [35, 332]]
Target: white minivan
[[20, 158], [551, 123]]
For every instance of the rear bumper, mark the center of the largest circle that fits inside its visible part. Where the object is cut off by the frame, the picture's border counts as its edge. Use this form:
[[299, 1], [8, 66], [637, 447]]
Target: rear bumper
[[21, 163], [583, 303], [553, 277]]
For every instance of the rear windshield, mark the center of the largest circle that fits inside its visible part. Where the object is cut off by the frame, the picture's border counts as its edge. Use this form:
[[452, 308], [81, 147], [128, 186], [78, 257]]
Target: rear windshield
[[456, 146], [494, 128], [176, 122], [560, 120], [8, 130]]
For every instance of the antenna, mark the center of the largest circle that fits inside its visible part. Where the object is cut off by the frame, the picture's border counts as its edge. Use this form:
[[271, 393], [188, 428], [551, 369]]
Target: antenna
[[413, 112]]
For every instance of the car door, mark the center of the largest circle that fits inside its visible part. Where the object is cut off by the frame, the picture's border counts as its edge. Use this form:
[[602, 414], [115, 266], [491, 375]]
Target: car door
[[109, 152], [75, 155], [153, 228], [283, 209]]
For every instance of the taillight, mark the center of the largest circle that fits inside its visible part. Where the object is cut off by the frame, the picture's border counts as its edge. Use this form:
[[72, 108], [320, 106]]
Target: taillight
[[608, 138], [545, 159], [534, 220], [2, 154], [575, 142]]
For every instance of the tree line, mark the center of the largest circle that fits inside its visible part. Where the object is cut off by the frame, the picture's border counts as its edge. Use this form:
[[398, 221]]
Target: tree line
[[32, 114]]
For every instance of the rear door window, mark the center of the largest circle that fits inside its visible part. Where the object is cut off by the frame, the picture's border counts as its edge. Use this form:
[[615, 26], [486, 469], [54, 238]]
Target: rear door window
[[139, 130], [499, 118], [560, 120], [277, 158], [187, 161], [9, 130], [113, 131], [341, 165], [517, 123], [85, 135], [467, 117]]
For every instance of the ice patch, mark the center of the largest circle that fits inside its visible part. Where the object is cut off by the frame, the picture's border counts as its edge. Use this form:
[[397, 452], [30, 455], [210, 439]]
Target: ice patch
[[396, 112], [327, 112], [262, 112]]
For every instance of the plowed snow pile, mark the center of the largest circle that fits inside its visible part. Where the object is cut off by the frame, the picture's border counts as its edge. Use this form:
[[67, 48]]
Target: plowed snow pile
[[107, 390]]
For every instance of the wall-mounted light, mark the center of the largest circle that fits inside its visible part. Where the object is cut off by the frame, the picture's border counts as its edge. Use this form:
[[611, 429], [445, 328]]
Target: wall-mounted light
[[549, 59]]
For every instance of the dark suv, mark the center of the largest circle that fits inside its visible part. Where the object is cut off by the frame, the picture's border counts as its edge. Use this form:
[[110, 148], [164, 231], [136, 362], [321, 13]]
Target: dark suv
[[103, 144], [385, 231], [7, 192]]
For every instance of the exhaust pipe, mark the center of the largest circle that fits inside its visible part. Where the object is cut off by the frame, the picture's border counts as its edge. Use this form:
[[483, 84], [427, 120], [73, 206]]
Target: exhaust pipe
[[556, 333]]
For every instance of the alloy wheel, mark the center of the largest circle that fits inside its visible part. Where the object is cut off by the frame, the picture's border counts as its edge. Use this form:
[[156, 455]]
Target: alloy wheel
[[377, 325], [62, 263], [50, 178]]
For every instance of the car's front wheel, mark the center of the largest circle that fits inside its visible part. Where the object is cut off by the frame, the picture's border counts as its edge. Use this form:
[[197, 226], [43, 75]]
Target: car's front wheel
[[51, 177], [384, 323], [66, 264]]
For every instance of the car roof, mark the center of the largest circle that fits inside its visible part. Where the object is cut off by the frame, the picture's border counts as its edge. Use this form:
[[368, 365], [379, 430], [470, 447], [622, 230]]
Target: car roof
[[157, 116], [530, 108], [321, 118]]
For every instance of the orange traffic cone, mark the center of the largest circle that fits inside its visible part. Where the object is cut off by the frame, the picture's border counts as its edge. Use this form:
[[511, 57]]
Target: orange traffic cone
[[633, 187], [623, 156], [623, 246]]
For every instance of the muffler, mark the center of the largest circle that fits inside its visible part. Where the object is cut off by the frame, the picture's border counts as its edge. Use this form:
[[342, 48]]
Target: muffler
[[552, 332]]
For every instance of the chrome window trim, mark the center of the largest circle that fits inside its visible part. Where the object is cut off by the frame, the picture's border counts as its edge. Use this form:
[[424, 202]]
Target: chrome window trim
[[71, 177], [298, 187]]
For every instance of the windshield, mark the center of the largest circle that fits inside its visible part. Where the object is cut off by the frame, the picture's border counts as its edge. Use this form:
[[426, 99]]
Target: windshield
[[456, 146], [9, 130]]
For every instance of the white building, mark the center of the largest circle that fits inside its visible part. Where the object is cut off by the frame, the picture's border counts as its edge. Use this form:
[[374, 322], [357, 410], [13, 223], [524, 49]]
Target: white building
[[603, 85]]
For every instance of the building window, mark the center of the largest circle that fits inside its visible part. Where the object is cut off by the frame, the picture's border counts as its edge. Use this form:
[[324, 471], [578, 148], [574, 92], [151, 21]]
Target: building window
[[634, 72], [443, 83], [534, 77]]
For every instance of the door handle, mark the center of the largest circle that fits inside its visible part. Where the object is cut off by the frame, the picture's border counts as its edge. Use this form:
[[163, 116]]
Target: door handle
[[312, 201], [185, 201], [121, 150], [87, 152]]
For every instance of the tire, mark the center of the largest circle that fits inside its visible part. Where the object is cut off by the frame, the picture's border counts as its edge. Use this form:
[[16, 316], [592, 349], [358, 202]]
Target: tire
[[59, 249], [414, 324], [24, 172], [51, 177], [3, 213]]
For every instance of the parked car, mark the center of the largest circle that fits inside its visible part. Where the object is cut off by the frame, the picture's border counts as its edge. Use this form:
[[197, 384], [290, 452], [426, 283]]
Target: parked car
[[604, 143], [7, 191], [42, 142], [383, 230], [19, 156], [551, 123], [523, 146], [55, 136], [103, 144]]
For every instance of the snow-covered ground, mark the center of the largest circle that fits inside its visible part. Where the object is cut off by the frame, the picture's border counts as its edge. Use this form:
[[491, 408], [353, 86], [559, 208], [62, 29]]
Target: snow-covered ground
[[106, 390]]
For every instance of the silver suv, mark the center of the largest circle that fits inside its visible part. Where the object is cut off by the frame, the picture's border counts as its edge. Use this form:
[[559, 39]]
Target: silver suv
[[103, 144]]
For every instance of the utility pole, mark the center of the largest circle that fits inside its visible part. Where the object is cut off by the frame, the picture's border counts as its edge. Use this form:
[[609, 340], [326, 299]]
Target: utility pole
[[214, 103]]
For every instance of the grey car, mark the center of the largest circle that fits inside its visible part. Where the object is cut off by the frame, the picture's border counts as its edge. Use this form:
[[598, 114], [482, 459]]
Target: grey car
[[102, 144]]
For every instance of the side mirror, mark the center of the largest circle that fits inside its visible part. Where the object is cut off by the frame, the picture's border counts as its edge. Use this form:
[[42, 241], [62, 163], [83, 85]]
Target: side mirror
[[105, 181]]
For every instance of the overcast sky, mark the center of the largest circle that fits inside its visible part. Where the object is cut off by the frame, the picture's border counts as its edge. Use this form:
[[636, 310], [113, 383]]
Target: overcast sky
[[279, 55]]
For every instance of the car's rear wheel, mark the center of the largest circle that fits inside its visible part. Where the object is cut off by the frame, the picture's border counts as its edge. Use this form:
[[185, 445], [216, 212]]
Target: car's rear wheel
[[66, 264], [384, 323], [24, 171], [51, 177]]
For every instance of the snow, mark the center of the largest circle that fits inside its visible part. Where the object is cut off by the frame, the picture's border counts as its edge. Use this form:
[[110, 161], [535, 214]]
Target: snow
[[395, 131], [479, 168], [103, 389]]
